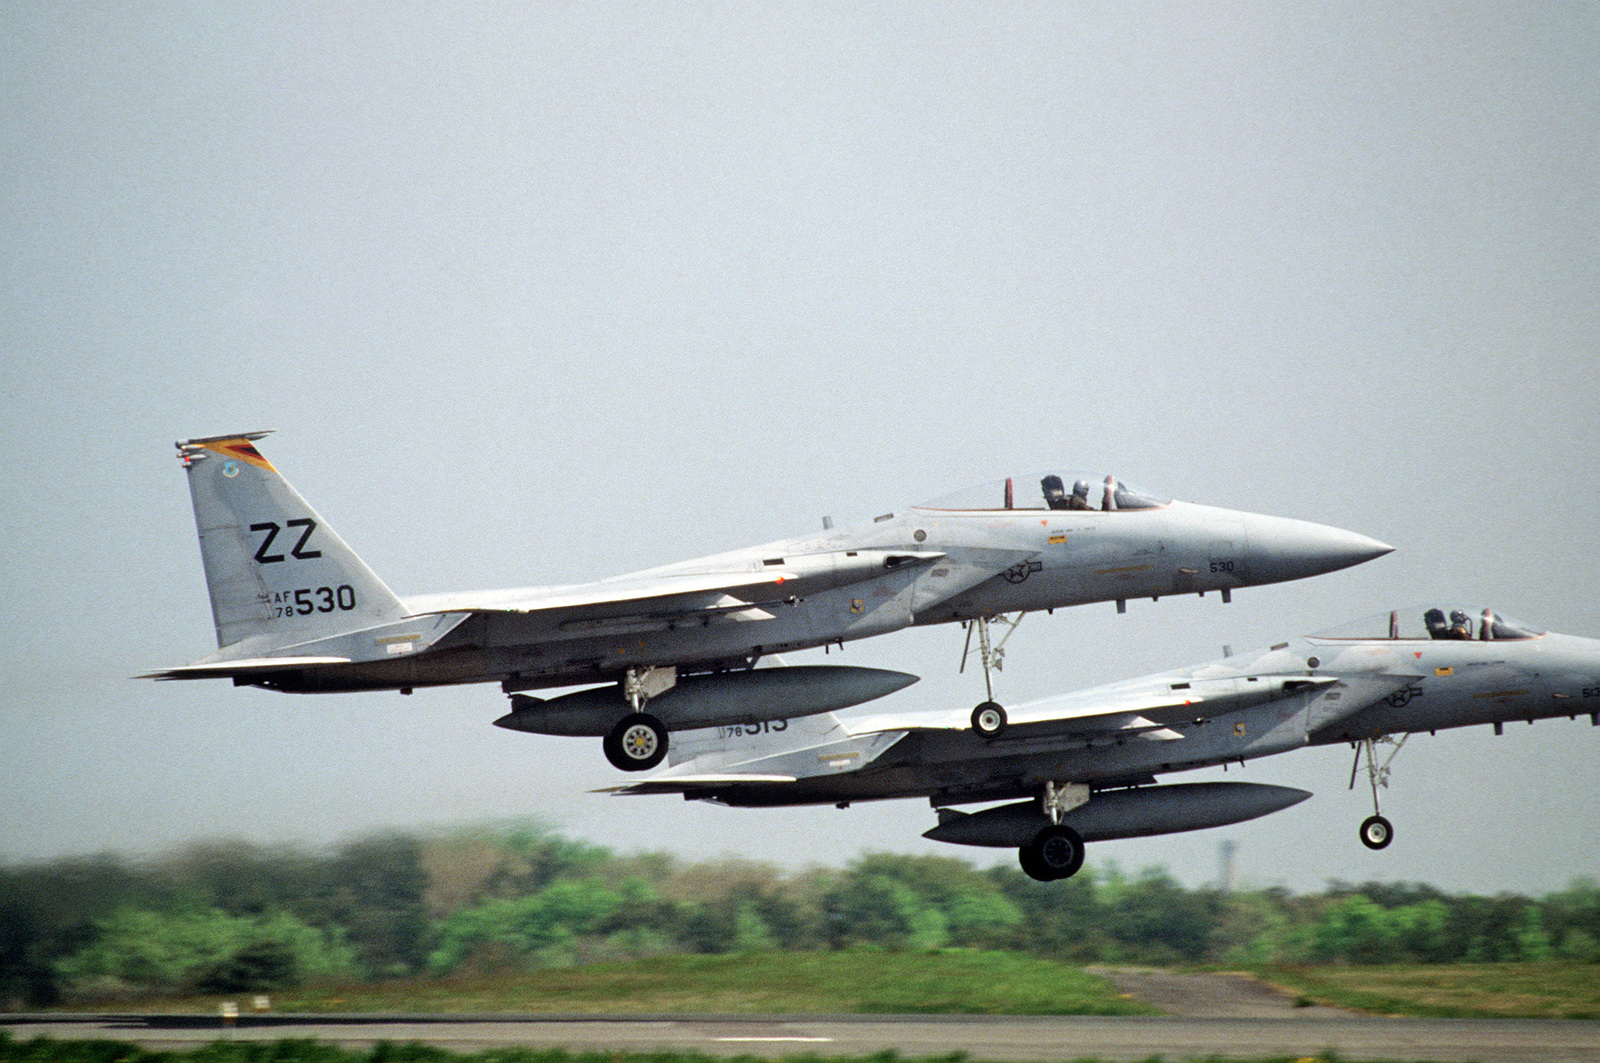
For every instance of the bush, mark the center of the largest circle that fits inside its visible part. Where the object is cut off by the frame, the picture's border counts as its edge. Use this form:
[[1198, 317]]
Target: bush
[[167, 952]]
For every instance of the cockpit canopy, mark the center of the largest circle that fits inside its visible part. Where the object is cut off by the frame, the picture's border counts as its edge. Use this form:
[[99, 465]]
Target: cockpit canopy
[[1056, 490], [1443, 621]]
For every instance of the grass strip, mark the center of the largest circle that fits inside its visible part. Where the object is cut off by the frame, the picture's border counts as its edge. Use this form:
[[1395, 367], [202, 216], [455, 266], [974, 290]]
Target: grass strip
[[860, 982], [1544, 990]]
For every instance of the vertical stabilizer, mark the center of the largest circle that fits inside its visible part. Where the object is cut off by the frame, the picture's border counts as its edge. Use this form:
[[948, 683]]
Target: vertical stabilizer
[[278, 575]]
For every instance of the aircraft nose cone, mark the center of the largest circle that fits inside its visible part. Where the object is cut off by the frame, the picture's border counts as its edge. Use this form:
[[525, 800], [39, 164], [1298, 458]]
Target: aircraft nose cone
[[1285, 549]]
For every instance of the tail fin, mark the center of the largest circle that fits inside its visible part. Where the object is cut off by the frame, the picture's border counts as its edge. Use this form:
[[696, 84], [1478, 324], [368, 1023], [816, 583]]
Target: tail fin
[[277, 574]]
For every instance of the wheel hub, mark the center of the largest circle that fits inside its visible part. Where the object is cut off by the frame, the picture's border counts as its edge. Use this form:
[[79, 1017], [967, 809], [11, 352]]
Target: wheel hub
[[1057, 852], [639, 743]]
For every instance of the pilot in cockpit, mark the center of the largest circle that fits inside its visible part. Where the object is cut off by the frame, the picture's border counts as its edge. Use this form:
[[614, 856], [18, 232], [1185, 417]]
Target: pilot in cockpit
[[1056, 497], [1055, 493], [1433, 620], [1485, 625]]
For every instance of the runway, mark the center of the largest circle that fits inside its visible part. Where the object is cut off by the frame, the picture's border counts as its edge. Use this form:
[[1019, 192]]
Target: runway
[[993, 1038]]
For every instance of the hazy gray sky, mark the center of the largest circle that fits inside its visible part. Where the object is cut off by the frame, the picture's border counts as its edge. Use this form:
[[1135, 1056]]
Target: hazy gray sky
[[542, 293]]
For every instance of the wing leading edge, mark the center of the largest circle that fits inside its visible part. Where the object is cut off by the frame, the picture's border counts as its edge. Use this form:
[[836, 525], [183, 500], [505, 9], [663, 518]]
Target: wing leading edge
[[758, 582]]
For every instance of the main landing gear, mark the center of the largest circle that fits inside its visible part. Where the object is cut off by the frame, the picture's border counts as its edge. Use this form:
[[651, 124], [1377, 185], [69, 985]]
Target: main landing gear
[[1376, 831], [1056, 852], [989, 718], [639, 741]]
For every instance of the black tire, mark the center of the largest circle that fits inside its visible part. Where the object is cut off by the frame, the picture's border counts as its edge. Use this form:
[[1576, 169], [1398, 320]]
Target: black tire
[[1031, 866], [989, 719], [1056, 852], [638, 743], [1376, 832]]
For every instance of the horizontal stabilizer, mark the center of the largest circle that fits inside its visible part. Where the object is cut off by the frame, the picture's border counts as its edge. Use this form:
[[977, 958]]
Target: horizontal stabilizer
[[246, 667], [690, 784], [411, 635]]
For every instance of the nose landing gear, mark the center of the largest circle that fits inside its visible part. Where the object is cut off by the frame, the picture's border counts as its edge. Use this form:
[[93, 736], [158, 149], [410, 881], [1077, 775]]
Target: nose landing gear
[[1376, 831], [989, 718]]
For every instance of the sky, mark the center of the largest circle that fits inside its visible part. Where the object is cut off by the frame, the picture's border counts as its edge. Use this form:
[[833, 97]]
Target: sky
[[544, 293]]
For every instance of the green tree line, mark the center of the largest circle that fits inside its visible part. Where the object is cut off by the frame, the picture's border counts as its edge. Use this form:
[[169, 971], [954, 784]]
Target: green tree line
[[232, 917]]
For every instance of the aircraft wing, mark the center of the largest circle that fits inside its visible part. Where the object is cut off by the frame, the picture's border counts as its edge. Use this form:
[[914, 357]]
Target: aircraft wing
[[666, 596], [746, 590], [1145, 706]]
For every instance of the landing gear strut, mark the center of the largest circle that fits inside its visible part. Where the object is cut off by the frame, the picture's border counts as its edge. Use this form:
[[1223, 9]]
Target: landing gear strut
[[989, 718], [1376, 831], [639, 741]]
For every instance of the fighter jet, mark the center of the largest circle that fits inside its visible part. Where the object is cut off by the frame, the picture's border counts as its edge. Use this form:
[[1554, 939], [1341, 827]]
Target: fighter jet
[[296, 610], [1087, 762]]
